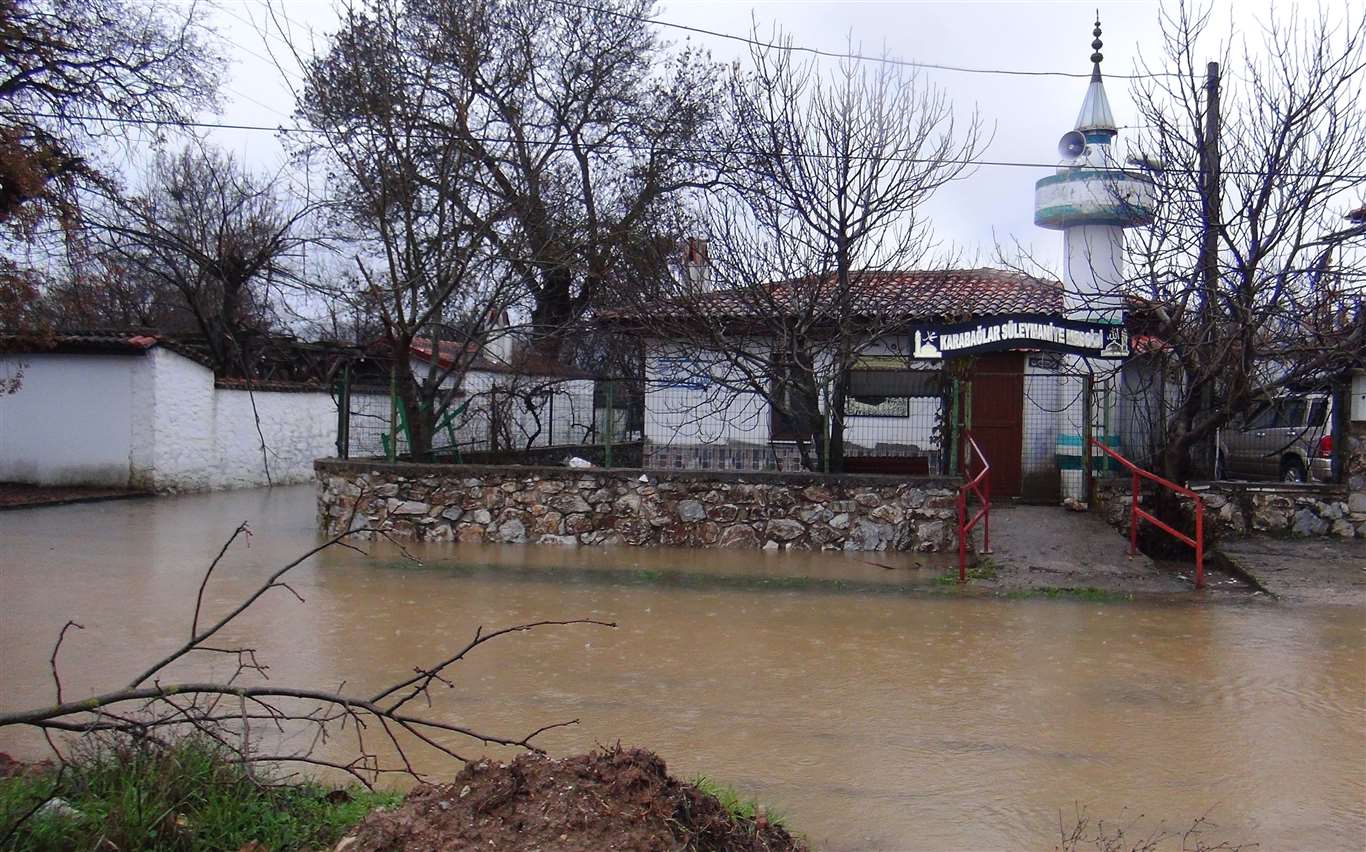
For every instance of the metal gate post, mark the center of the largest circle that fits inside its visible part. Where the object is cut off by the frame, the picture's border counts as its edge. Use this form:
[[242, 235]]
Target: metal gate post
[[1342, 406], [344, 415], [493, 418], [962, 536], [607, 435], [1133, 517], [952, 429], [986, 516], [1088, 482], [391, 448], [1199, 544]]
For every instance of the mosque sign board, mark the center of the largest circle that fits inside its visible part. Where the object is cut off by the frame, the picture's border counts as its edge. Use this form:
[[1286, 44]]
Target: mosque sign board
[[1021, 331]]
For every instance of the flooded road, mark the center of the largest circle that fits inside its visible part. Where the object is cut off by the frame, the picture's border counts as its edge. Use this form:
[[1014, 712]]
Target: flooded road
[[874, 708]]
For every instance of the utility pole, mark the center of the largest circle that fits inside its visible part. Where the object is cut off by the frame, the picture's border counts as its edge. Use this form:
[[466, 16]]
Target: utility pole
[[1211, 209], [1209, 190]]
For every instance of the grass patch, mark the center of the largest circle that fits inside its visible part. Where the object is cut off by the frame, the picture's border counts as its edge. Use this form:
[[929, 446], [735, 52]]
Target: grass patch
[[738, 806], [983, 569], [188, 797], [1077, 593]]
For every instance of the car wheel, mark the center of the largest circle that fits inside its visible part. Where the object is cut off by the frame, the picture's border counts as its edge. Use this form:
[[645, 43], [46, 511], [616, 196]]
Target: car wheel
[[1292, 470]]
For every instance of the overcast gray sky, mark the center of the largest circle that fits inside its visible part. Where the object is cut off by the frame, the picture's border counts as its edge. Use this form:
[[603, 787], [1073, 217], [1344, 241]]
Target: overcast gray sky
[[1028, 114]]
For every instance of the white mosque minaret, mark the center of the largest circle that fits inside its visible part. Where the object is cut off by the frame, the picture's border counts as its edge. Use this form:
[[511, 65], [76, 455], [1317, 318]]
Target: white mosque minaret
[[1091, 199]]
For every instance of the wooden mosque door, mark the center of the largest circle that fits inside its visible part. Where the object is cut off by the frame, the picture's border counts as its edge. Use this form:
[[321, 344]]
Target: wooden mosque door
[[998, 418]]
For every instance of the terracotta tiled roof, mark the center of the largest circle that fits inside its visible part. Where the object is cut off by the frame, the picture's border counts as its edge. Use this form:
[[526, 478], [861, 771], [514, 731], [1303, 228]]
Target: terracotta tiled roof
[[98, 341], [102, 341], [907, 295], [448, 350]]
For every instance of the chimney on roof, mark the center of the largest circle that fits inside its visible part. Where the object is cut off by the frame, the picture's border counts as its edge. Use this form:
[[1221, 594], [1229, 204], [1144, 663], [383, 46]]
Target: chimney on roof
[[696, 264]]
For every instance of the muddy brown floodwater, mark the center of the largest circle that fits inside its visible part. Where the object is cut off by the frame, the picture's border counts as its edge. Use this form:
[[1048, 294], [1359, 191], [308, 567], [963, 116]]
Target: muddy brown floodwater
[[872, 707]]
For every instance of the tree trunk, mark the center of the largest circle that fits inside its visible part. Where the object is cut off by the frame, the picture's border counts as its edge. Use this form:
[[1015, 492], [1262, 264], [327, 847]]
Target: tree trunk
[[416, 415], [404, 387], [554, 310], [806, 418], [229, 321], [836, 415], [1176, 460]]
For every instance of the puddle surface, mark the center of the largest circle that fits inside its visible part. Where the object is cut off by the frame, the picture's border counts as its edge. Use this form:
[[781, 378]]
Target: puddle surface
[[872, 708]]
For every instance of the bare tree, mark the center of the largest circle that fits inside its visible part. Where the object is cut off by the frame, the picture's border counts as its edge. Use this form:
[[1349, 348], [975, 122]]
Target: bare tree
[[504, 154], [575, 129], [427, 267], [100, 291], [819, 213], [202, 248], [72, 73], [1276, 299]]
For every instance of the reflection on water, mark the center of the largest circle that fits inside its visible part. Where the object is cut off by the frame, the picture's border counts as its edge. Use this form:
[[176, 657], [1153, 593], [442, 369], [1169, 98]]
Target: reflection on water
[[878, 712]]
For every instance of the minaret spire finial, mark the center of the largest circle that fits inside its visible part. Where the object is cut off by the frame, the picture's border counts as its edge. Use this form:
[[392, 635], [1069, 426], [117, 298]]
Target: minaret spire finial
[[1096, 55], [1095, 108]]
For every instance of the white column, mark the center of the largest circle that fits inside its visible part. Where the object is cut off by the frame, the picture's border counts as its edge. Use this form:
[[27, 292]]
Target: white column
[[1092, 257]]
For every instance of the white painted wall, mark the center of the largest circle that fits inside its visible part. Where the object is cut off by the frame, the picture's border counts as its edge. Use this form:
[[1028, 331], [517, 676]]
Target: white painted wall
[[560, 413], [692, 401], [914, 430], [70, 422], [156, 421], [297, 427], [1358, 411], [182, 422], [679, 413]]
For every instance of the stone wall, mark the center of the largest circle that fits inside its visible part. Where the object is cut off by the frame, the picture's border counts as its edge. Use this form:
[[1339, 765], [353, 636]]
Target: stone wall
[[1239, 509], [556, 505], [1356, 461]]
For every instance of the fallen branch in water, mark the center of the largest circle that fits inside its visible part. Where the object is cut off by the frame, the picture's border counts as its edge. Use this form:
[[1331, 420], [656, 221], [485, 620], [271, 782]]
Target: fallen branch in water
[[148, 709], [1096, 835]]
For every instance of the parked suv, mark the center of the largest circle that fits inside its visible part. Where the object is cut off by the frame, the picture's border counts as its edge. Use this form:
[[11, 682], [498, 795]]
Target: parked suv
[[1289, 438]]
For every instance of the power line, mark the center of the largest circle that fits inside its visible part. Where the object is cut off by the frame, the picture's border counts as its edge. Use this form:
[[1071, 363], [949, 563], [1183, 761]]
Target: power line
[[671, 149], [857, 57], [828, 54]]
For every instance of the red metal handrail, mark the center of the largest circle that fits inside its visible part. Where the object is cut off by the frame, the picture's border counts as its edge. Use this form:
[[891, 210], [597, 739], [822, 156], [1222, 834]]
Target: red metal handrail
[[981, 486], [1136, 514]]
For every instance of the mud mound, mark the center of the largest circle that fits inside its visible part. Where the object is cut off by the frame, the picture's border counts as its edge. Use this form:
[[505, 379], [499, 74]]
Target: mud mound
[[611, 799]]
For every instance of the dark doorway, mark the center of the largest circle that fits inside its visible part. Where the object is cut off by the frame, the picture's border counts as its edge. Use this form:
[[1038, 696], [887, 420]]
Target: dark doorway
[[998, 417]]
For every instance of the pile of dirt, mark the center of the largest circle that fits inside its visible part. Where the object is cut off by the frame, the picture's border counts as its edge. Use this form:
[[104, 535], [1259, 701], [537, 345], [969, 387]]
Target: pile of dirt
[[610, 799]]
